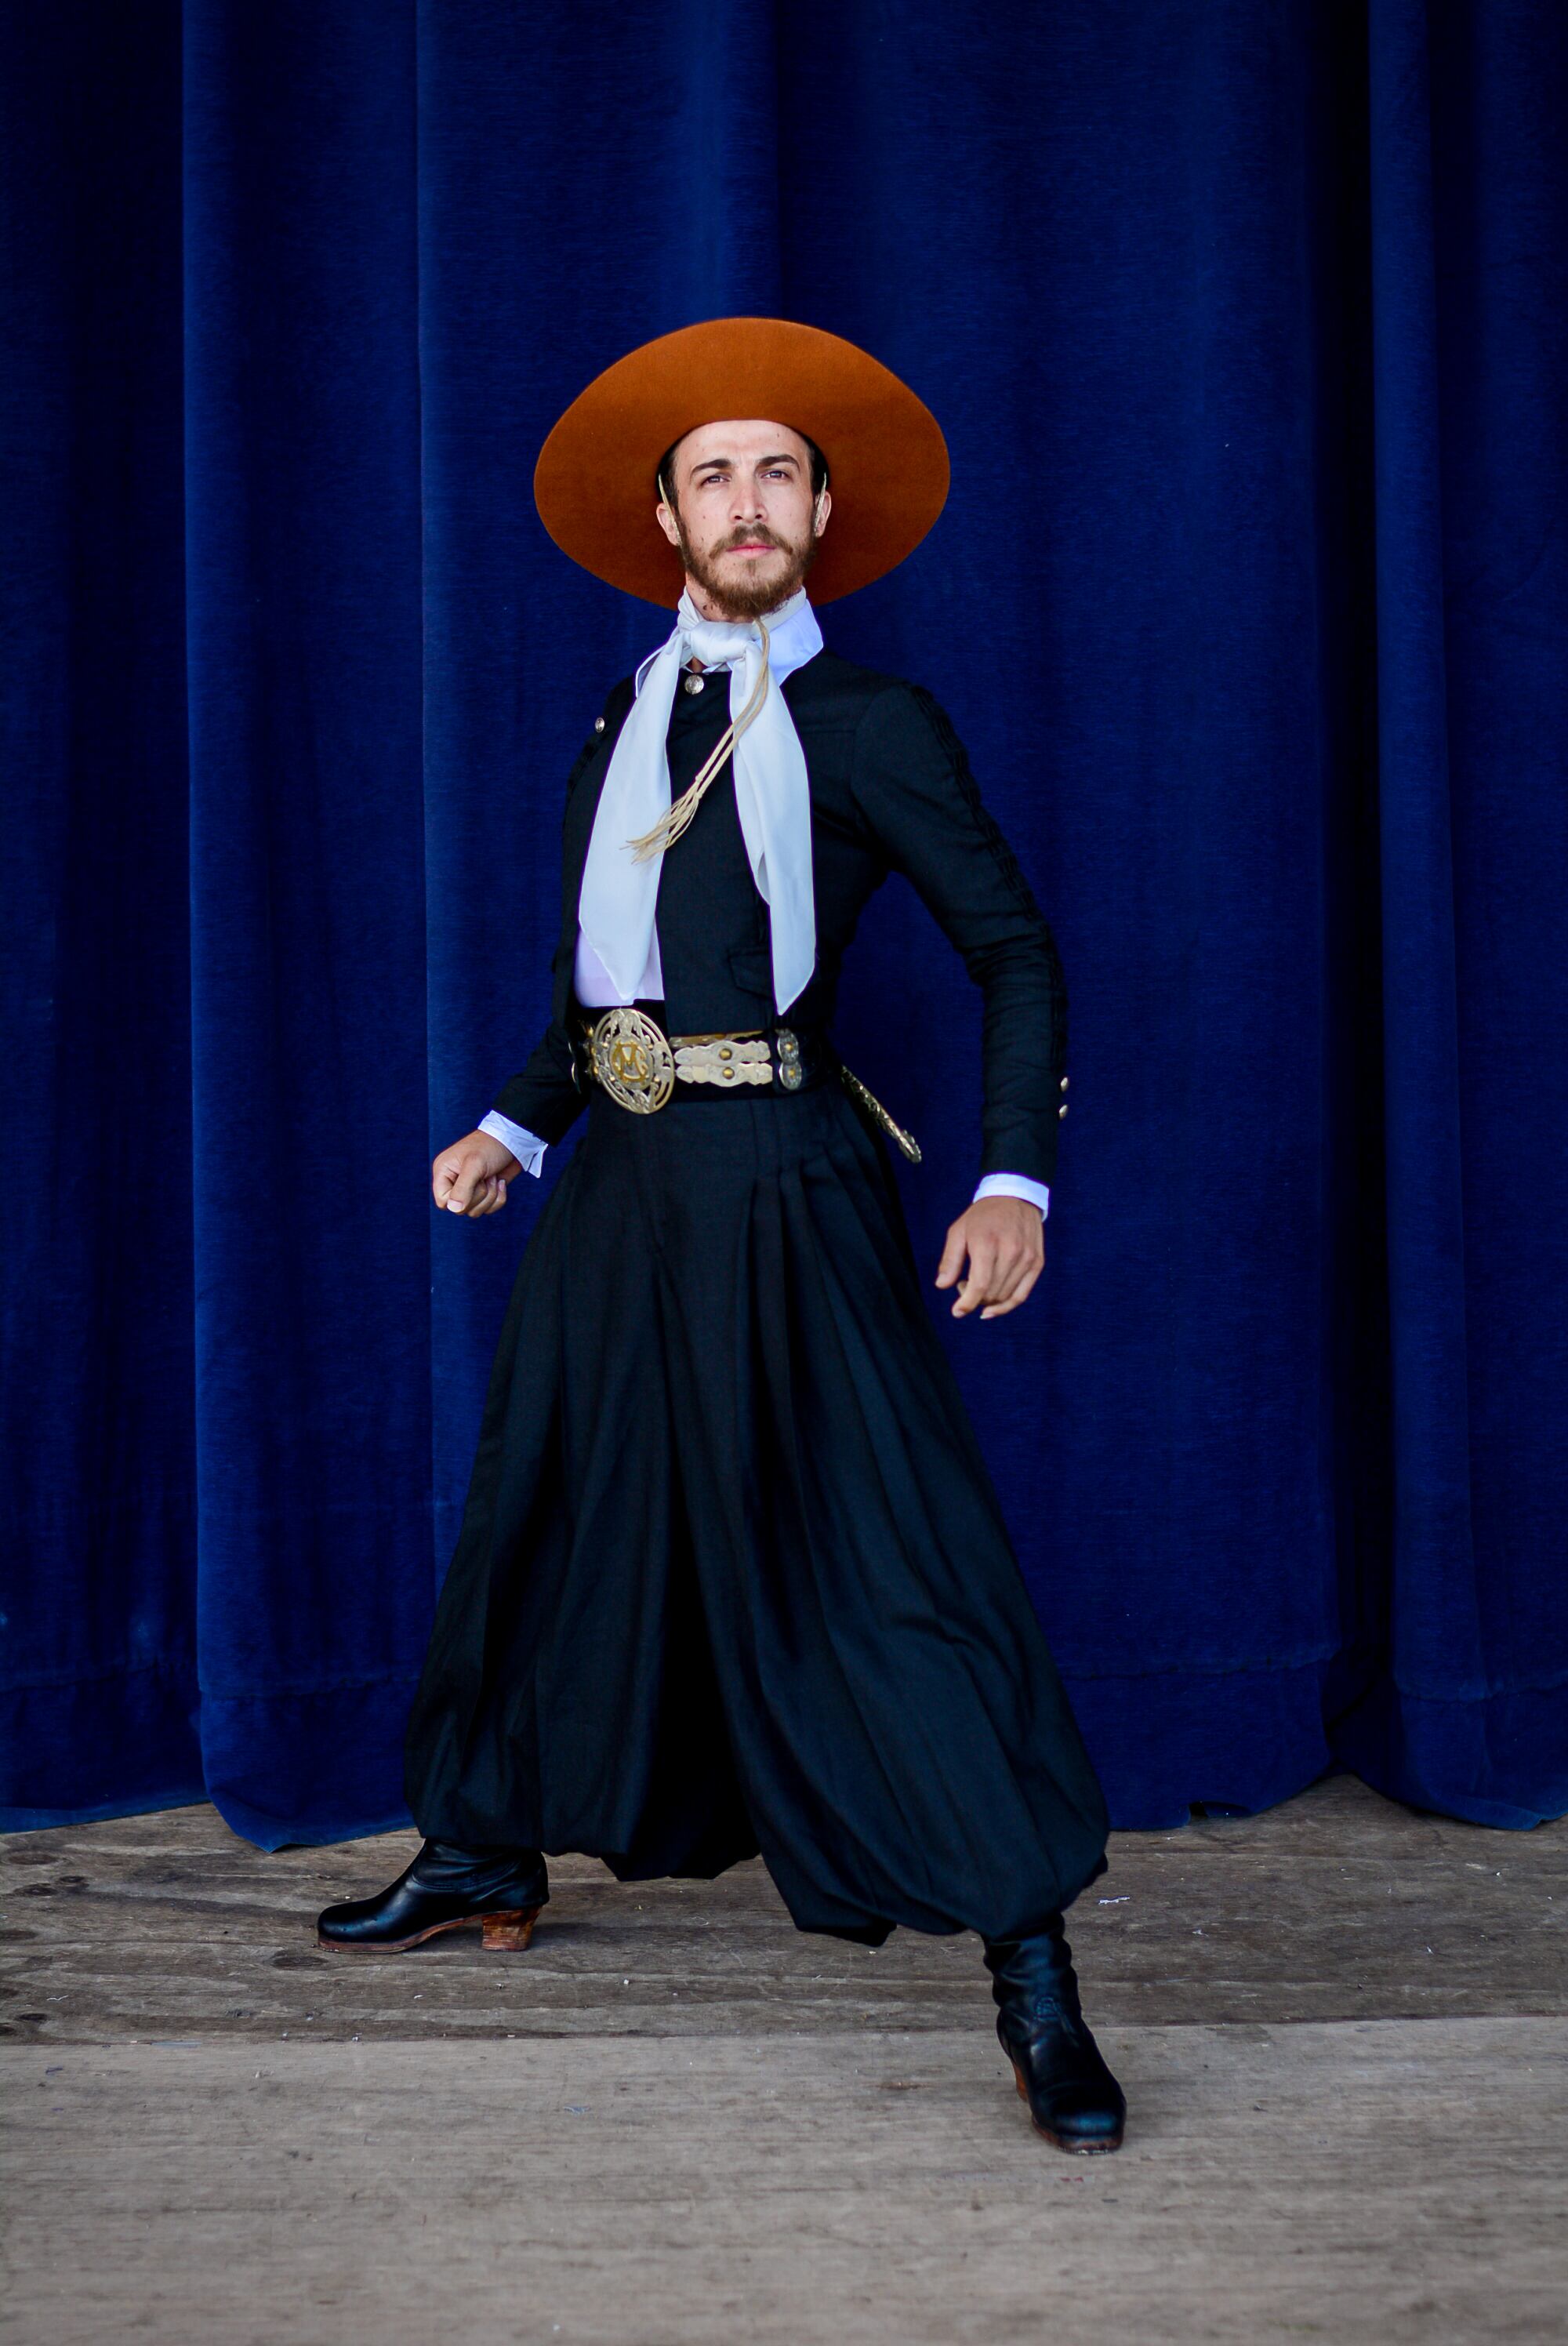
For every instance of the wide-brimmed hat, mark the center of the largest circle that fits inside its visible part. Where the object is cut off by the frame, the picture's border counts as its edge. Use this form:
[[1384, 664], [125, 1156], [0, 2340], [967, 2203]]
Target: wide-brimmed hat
[[887, 459]]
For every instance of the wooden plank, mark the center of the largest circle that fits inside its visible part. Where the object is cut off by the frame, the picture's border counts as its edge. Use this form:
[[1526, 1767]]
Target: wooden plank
[[1376, 2182], [1338, 1905]]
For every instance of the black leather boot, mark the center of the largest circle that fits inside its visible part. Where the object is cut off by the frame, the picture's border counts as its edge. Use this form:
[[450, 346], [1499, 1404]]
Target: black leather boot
[[1074, 2100], [446, 1887]]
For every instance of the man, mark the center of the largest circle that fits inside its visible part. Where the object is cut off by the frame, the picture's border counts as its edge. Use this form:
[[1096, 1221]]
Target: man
[[732, 1576]]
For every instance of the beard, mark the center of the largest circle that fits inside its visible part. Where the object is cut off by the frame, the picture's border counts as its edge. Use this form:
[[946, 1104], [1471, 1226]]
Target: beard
[[744, 598]]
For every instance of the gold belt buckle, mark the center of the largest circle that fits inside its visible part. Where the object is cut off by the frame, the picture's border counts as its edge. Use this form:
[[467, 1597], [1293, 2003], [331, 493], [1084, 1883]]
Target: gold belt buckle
[[632, 1059]]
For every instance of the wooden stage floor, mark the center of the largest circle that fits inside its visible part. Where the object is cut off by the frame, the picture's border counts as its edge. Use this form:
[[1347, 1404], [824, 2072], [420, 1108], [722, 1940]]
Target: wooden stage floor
[[677, 2121]]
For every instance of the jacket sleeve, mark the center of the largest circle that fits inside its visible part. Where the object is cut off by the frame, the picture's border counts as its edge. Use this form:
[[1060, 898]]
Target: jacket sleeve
[[915, 792], [545, 1099]]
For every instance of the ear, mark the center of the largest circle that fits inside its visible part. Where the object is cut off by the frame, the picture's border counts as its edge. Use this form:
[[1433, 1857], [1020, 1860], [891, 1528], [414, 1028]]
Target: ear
[[667, 520], [823, 508]]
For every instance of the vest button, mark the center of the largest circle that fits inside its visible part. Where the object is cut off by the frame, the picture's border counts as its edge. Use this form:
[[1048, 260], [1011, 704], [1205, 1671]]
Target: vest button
[[693, 683]]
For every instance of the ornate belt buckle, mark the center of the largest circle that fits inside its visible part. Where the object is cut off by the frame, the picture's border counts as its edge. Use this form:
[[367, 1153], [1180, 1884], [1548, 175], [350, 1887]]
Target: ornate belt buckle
[[633, 1060], [790, 1074]]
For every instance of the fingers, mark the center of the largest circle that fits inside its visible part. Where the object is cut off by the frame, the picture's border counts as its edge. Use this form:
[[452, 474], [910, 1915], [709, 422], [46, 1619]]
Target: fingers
[[1014, 1274], [1010, 1299], [953, 1254], [1005, 1259], [974, 1289], [459, 1185], [1015, 1271], [489, 1196]]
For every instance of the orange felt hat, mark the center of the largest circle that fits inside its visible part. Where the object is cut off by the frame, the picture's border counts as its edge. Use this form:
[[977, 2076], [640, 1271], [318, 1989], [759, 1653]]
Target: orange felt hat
[[887, 459]]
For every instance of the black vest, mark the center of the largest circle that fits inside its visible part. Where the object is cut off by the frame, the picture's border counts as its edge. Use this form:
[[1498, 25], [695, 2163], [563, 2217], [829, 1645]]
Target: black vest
[[713, 936]]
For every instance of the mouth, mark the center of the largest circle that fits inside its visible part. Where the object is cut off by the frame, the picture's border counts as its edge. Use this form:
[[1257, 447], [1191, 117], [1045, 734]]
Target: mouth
[[755, 547]]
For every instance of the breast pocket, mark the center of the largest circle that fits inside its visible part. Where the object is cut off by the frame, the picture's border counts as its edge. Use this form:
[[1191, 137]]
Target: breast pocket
[[751, 968]]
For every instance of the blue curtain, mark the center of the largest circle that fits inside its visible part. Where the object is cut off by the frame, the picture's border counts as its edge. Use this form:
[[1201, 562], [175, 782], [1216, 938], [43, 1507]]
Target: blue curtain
[[1246, 322]]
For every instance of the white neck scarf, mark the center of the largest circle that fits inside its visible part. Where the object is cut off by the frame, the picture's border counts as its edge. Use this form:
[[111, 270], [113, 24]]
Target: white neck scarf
[[772, 796]]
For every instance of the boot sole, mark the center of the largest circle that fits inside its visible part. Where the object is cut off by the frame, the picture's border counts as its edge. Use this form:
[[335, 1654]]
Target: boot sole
[[509, 1931], [1058, 2142]]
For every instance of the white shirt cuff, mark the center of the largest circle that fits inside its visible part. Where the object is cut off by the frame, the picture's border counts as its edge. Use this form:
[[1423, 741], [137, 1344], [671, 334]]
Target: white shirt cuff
[[526, 1146], [529, 1150], [1015, 1185]]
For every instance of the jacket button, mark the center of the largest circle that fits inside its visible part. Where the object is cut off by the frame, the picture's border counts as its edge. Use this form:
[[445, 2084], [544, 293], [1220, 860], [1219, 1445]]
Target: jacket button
[[1063, 1083], [598, 724], [1063, 1109]]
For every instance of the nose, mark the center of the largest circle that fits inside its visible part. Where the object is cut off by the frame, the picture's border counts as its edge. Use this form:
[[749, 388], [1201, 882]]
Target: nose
[[746, 502]]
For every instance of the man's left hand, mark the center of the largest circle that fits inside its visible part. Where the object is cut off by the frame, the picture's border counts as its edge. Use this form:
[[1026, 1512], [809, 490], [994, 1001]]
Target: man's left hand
[[1004, 1240]]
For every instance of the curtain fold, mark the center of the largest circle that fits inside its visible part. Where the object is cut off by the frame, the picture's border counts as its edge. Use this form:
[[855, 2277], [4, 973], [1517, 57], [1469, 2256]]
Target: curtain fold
[[1469, 186], [1245, 324]]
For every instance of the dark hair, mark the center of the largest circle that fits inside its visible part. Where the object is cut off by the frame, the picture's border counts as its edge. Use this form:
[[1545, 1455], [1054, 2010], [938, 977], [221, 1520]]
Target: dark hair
[[819, 463]]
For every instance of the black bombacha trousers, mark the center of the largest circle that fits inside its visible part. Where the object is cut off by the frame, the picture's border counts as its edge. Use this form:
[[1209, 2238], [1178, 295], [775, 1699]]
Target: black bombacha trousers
[[732, 1574]]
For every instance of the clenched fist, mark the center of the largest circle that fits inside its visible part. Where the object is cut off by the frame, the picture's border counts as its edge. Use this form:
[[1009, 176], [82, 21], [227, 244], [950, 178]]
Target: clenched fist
[[470, 1177]]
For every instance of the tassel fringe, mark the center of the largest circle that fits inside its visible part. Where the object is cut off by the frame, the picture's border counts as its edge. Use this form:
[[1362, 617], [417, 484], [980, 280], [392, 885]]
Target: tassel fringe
[[669, 826]]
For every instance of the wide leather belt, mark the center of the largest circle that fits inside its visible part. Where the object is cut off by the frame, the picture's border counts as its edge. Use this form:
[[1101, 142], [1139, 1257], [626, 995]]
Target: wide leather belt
[[640, 1066], [630, 1057]]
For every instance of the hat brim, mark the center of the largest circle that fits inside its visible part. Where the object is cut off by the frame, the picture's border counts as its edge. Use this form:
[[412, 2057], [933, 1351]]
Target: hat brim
[[887, 459]]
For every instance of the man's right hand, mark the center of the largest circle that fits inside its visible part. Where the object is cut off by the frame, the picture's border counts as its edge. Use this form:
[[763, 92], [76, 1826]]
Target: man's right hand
[[470, 1177]]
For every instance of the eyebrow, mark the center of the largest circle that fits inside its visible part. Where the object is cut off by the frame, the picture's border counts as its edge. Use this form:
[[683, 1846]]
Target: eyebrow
[[783, 457]]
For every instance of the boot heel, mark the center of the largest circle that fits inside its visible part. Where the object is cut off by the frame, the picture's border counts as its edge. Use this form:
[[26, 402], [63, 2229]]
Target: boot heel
[[509, 1933]]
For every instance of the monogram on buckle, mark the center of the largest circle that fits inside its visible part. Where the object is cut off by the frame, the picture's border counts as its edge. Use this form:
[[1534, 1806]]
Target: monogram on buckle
[[632, 1059]]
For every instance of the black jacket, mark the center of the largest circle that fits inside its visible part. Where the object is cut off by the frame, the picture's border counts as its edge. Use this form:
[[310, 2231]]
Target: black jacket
[[891, 789]]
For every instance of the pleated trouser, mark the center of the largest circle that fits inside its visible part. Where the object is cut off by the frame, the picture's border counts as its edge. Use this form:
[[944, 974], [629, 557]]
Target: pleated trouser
[[732, 1575]]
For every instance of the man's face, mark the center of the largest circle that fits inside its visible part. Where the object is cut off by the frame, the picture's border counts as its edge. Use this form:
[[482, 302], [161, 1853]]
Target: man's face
[[746, 522]]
